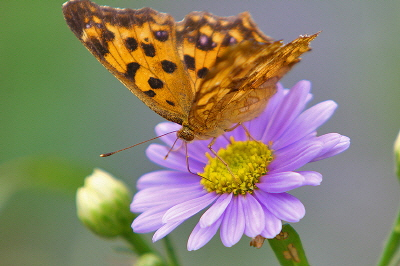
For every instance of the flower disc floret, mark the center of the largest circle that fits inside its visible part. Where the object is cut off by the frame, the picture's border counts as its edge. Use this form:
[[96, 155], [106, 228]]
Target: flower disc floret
[[237, 168]]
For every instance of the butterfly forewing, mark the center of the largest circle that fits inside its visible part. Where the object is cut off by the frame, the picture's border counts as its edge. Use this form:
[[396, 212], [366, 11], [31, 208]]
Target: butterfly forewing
[[138, 47]]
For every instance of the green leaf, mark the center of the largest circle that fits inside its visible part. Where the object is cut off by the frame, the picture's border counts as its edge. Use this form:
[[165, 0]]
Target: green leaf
[[288, 248]]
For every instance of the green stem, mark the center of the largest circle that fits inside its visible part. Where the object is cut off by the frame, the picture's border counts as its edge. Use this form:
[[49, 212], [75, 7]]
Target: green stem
[[172, 258], [392, 244], [138, 244]]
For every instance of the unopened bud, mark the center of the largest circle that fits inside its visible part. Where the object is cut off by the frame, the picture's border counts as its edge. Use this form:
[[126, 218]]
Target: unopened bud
[[103, 204]]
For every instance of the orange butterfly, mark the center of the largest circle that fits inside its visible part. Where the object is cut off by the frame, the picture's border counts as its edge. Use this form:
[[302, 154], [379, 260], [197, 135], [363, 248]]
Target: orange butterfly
[[206, 73]]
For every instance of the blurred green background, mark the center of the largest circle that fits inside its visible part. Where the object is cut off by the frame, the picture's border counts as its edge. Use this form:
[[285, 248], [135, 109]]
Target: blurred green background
[[61, 109]]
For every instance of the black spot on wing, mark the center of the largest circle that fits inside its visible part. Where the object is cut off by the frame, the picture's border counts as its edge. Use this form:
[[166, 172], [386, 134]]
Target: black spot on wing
[[228, 40], [148, 49], [170, 103], [161, 35], [107, 36], [131, 70], [201, 73], [168, 66], [155, 83], [97, 47], [189, 62], [205, 43], [131, 44], [150, 93]]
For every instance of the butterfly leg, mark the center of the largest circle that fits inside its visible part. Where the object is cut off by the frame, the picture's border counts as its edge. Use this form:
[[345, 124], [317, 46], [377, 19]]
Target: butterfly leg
[[247, 133], [172, 149], [187, 160], [249, 136], [186, 153], [222, 160], [187, 163], [232, 128], [228, 130]]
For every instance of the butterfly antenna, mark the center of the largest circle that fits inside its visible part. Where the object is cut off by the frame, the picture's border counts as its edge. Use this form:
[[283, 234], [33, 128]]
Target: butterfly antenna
[[114, 152]]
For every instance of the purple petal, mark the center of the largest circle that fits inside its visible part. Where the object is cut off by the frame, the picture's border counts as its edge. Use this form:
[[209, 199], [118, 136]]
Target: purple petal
[[176, 160], [165, 230], [254, 215], [258, 125], [201, 235], [306, 123], [283, 205], [343, 145], [166, 178], [155, 196], [189, 208], [294, 156], [215, 211], [273, 103], [329, 141], [291, 106], [198, 149], [165, 128], [273, 225], [280, 182], [149, 221], [233, 223], [311, 178]]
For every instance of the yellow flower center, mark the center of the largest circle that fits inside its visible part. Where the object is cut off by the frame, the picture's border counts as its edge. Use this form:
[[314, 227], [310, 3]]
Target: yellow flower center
[[246, 162]]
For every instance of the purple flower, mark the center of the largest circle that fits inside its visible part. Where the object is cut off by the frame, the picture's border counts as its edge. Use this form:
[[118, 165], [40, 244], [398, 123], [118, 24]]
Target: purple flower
[[250, 195]]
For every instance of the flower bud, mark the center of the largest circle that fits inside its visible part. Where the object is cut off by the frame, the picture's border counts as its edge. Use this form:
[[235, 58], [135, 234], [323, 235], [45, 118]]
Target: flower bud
[[149, 259], [103, 205]]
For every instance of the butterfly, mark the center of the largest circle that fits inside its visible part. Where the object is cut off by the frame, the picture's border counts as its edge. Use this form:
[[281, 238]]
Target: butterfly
[[206, 73]]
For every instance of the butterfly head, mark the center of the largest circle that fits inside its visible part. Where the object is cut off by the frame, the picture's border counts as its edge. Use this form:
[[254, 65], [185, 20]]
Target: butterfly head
[[186, 133]]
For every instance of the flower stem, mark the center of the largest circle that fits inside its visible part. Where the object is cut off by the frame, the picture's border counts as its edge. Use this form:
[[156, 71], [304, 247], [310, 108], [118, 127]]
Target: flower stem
[[172, 258], [138, 244], [392, 245]]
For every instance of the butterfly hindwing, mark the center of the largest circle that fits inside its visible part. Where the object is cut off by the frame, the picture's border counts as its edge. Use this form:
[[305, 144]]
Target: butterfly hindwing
[[242, 81]]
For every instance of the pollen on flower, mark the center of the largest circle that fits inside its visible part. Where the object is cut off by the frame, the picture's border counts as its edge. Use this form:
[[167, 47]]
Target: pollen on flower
[[247, 160]]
